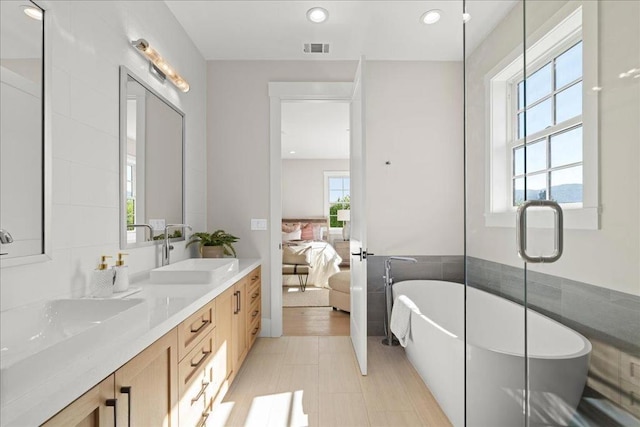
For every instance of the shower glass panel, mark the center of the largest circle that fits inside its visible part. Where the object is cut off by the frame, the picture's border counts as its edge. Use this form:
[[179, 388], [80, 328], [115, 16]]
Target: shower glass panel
[[499, 168], [583, 311]]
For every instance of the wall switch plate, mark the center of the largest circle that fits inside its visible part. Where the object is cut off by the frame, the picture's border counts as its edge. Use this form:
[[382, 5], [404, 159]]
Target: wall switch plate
[[258, 224]]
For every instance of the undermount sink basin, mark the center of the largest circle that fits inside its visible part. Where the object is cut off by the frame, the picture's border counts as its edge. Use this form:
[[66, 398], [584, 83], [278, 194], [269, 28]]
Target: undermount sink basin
[[194, 271], [37, 341]]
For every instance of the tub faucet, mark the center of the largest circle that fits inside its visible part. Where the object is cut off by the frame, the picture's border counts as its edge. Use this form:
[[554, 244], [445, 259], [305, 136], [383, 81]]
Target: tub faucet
[[388, 296], [166, 247]]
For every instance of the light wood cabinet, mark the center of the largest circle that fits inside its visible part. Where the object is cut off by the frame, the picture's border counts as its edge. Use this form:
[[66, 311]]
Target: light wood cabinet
[[198, 325], [180, 378], [239, 324], [254, 314], [223, 359], [196, 384], [147, 385], [95, 408]]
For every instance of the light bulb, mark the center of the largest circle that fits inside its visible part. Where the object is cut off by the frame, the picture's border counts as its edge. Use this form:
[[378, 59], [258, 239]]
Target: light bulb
[[317, 15], [431, 16]]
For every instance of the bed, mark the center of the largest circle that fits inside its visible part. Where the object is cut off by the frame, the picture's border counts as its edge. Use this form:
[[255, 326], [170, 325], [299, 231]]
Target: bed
[[306, 253]]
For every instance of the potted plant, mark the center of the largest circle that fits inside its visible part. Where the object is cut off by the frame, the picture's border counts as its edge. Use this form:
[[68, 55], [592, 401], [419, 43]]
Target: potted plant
[[214, 245]]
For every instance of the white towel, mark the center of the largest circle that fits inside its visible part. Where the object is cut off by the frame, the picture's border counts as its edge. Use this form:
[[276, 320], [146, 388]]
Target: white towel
[[401, 318]]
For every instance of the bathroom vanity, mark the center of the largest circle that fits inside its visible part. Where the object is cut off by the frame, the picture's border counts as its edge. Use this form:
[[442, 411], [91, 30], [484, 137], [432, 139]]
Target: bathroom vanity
[[186, 344]]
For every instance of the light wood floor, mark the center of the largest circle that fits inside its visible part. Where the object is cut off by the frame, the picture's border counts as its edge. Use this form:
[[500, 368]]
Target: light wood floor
[[314, 321], [315, 381]]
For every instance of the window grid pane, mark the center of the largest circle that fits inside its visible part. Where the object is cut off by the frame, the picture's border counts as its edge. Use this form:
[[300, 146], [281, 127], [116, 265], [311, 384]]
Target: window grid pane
[[561, 179]]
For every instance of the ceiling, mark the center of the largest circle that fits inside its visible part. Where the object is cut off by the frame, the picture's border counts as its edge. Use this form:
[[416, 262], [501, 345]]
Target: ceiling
[[315, 130], [21, 35], [380, 30]]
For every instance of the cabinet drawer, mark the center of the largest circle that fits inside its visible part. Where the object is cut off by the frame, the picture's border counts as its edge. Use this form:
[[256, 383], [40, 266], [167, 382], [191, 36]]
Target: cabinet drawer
[[255, 292], [254, 312], [192, 330], [253, 277], [192, 368], [254, 330]]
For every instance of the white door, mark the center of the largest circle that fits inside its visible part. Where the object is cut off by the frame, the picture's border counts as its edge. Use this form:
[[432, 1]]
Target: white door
[[358, 243]]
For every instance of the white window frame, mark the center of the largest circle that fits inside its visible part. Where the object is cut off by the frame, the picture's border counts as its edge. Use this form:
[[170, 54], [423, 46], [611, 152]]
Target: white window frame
[[575, 21], [327, 175], [544, 134]]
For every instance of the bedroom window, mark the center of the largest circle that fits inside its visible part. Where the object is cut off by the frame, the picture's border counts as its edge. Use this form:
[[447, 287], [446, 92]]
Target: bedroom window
[[337, 196]]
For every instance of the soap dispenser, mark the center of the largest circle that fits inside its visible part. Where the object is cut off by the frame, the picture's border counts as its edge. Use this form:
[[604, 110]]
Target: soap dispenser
[[102, 280], [121, 273]]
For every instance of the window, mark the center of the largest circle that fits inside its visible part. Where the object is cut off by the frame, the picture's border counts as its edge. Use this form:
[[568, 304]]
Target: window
[[131, 198], [548, 112], [337, 195], [542, 133]]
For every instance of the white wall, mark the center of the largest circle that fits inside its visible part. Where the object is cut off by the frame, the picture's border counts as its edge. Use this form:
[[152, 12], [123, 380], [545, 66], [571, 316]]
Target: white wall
[[303, 186], [608, 257], [88, 41], [414, 116]]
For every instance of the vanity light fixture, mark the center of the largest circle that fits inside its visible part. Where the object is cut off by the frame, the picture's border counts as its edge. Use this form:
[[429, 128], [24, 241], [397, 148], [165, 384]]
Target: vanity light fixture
[[32, 12], [317, 15], [160, 66], [431, 16]]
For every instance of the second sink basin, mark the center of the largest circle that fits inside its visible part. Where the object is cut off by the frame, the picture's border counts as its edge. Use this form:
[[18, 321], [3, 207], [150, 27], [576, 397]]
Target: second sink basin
[[203, 271], [38, 340]]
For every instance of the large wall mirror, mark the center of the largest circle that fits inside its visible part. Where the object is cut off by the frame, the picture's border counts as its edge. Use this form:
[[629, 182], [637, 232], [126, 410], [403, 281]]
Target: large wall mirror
[[23, 160], [151, 164]]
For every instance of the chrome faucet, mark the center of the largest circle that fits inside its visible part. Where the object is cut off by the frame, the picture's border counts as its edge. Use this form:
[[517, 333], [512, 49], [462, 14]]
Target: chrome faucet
[[143, 225], [388, 296], [166, 247]]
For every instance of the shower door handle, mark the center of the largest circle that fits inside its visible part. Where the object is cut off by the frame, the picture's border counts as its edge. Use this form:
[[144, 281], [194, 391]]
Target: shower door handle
[[521, 231]]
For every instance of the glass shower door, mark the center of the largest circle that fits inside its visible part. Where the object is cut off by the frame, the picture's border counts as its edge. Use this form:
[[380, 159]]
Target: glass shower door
[[552, 213], [495, 393], [582, 91]]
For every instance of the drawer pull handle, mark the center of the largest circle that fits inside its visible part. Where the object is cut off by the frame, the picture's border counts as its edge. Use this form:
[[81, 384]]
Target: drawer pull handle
[[199, 328], [254, 278], [255, 313], [127, 390], [255, 331], [205, 354], [114, 404], [203, 420], [201, 392], [256, 295]]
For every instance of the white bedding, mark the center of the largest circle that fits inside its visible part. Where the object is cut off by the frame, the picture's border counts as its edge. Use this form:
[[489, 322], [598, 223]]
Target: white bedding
[[324, 262]]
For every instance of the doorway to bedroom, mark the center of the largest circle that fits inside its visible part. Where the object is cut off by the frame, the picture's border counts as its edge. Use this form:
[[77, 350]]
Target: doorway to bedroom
[[315, 186]]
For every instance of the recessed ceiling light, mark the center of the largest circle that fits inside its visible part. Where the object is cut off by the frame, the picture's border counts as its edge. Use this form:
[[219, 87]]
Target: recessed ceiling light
[[431, 16], [32, 12], [317, 15], [596, 88], [292, 152]]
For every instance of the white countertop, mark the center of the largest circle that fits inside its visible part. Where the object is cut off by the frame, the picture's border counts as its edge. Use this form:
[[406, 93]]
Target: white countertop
[[165, 306]]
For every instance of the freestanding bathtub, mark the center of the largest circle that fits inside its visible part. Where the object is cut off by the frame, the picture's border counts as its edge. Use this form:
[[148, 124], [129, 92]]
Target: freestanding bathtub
[[558, 357]]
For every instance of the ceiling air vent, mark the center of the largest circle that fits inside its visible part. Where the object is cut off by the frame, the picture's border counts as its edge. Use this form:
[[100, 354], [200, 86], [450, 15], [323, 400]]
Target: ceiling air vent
[[316, 48]]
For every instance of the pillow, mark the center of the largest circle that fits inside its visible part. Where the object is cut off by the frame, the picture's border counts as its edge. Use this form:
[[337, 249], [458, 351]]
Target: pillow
[[295, 254], [294, 235], [307, 231], [288, 227]]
